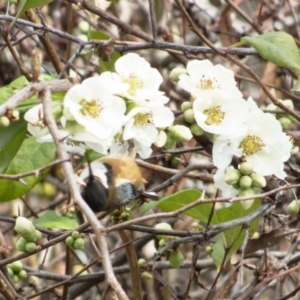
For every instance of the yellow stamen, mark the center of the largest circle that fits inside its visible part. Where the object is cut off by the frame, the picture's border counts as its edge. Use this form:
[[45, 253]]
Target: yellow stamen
[[92, 108], [251, 144], [214, 115]]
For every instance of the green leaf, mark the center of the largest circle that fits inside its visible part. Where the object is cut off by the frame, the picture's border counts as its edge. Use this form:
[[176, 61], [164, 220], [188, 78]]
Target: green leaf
[[31, 156], [7, 91], [181, 199], [27, 4], [232, 239], [11, 140], [279, 48], [52, 220]]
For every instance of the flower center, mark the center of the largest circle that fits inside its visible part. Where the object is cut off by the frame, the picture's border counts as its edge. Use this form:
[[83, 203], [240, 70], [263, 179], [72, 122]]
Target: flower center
[[134, 82], [142, 119], [214, 115], [207, 83], [92, 108], [251, 144]]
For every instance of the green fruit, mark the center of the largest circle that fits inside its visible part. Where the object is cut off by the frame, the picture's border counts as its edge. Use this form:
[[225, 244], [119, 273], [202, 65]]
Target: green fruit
[[245, 182], [38, 235], [176, 72], [146, 275], [246, 168], [196, 130], [189, 116], [69, 241], [186, 105], [163, 226], [285, 123], [176, 259], [258, 180], [170, 143], [293, 207], [26, 229], [16, 266], [21, 244], [232, 177], [30, 247], [15, 279], [10, 272], [162, 242], [75, 235], [78, 244], [22, 274], [142, 263], [209, 249]]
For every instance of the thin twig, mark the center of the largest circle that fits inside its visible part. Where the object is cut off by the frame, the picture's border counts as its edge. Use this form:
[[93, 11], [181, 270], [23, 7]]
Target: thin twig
[[75, 193], [34, 172]]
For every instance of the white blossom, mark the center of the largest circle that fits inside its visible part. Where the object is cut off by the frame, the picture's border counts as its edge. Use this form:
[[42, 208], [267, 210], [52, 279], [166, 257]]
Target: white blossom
[[93, 106], [141, 80], [220, 113], [203, 77], [35, 119], [259, 140]]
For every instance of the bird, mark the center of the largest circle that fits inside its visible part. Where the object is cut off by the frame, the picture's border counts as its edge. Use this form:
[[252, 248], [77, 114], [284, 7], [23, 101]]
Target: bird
[[111, 182]]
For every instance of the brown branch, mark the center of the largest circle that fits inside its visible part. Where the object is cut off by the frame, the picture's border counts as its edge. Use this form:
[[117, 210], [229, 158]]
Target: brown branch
[[75, 193], [55, 86], [47, 44], [249, 70], [35, 172], [14, 54]]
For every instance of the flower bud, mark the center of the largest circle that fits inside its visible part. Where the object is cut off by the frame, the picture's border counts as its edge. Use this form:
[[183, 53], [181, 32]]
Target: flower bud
[[16, 266], [10, 271], [15, 115], [4, 121], [142, 263], [69, 241], [196, 130], [75, 235], [163, 226], [232, 177], [285, 123], [22, 274], [246, 168], [245, 182], [180, 133], [186, 105], [246, 193], [161, 139], [30, 247], [170, 143], [176, 259], [15, 278], [26, 229], [21, 244], [258, 180], [255, 235], [146, 275], [176, 72], [208, 249], [38, 235], [84, 26], [293, 207], [78, 244], [189, 116]]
